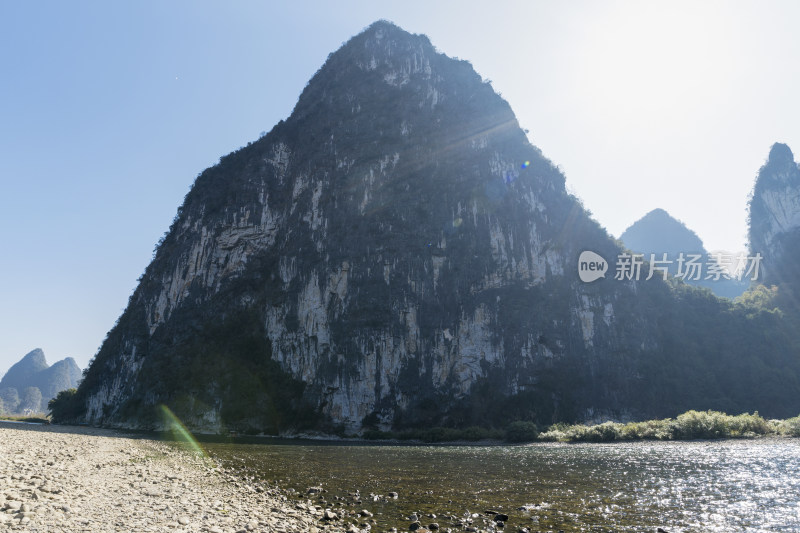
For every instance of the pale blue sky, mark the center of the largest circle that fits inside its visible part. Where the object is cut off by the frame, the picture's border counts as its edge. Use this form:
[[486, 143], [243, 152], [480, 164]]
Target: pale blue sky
[[109, 110]]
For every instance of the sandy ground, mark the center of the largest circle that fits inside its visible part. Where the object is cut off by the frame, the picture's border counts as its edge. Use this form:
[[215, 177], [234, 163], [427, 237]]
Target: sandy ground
[[69, 479]]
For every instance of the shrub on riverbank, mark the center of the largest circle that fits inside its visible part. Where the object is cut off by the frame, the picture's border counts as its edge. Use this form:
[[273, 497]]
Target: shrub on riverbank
[[790, 427], [716, 425], [521, 431], [64, 408], [689, 425], [605, 432]]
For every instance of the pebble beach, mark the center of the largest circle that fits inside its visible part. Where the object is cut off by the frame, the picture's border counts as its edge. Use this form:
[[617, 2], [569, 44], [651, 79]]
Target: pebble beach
[[71, 479]]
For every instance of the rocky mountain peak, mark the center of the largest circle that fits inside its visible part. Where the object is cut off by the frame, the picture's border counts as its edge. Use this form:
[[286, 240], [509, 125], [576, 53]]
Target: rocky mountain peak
[[394, 254], [35, 359], [384, 44], [775, 215], [362, 238], [778, 172], [780, 154], [33, 362]]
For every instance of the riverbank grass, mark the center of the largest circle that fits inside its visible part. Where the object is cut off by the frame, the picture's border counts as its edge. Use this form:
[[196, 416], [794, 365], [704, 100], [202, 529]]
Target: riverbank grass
[[687, 426]]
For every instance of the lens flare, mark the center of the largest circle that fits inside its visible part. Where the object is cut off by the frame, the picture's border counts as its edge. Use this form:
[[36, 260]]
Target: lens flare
[[526, 164], [177, 432]]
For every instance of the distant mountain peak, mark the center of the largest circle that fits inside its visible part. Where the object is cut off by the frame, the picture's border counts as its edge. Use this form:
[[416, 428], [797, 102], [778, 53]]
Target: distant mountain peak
[[35, 356], [780, 154], [659, 232], [658, 212], [383, 25], [778, 172], [775, 215], [33, 371], [33, 362]]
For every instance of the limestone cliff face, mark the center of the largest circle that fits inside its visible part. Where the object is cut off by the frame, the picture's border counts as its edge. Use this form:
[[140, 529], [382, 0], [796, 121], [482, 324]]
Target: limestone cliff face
[[395, 253], [395, 226], [775, 215]]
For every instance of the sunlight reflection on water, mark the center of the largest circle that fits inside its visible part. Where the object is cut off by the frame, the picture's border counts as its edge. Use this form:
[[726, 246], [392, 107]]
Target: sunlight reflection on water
[[688, 486]]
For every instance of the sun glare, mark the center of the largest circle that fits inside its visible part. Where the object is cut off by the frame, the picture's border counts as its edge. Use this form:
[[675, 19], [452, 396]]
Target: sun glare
[[649, 65]]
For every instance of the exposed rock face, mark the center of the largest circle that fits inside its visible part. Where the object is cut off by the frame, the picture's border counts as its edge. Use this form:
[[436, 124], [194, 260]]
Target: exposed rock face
[[33, 371], [395, 253], [775, 216], [658, 233]]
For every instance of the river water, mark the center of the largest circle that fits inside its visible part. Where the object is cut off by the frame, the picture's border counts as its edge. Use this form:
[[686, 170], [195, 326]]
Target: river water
[[725, 486]]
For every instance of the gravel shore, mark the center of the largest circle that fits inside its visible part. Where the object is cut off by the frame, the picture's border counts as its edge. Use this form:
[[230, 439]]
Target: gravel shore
[[69, 479]]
